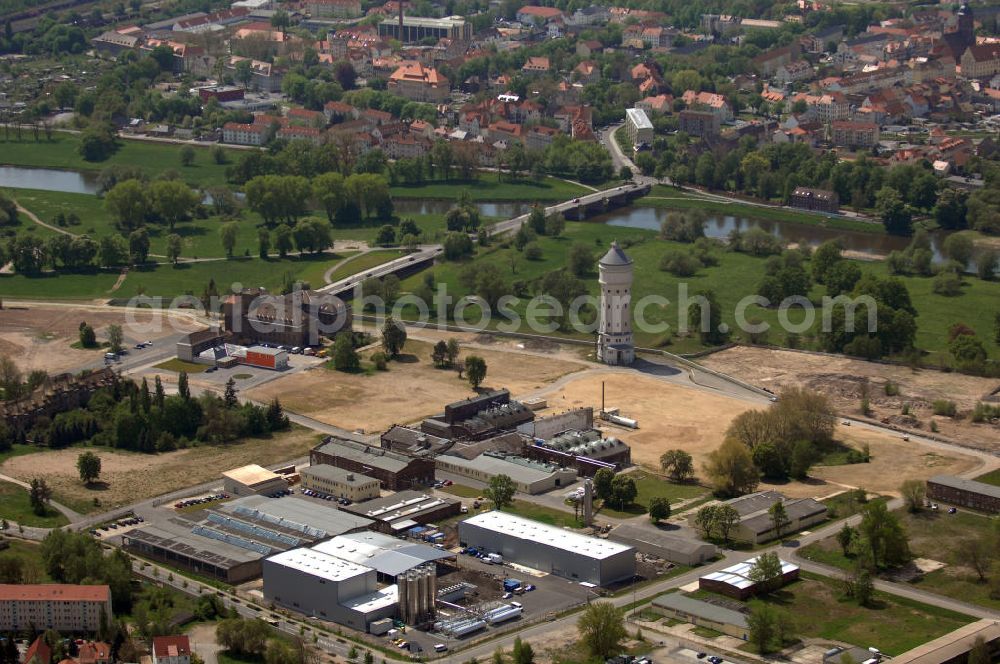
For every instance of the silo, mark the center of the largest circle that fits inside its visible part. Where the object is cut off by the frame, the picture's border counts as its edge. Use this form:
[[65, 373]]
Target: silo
[[403, 596], [428, 606], [413, 594], [434, 587]]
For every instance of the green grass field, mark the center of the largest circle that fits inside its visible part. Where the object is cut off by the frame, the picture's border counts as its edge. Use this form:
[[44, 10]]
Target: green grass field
[[16, 506], [736, 276], [651, 486], [992, 477], [154, 158], [178, 366], [486, 188], [461, 491], [167, 281], [893, 624], [548, 515], [934, 535]]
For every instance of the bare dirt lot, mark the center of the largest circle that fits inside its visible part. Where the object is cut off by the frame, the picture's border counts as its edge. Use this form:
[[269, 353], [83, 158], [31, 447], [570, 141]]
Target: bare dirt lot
[[37, 337], [410, 390], [130, 476], [844, 380], [673, 416], [669, 415]]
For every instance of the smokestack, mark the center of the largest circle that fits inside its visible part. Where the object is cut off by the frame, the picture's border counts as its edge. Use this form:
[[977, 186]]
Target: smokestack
[[401, 20], [602, 396], [588, 502]]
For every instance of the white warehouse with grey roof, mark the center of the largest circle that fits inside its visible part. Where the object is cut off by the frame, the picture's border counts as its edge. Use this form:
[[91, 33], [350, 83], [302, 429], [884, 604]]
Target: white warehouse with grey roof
[[548, 548]]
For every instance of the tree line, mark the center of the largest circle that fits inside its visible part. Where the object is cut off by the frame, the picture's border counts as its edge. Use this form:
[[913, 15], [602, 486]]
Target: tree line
[[130, 415]]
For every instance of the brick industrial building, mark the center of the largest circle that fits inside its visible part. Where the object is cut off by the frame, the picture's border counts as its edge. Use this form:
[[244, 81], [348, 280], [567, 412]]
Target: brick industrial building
[[394, 471], [967, 493]]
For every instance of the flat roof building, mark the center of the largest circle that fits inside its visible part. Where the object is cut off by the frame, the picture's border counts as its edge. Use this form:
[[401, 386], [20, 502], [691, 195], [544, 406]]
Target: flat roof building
[[387, 555], [401, 511], [252, 480], [326, 587], [231, 540], [395, 471], [418, 28], [967, 493], [63, 607], [339, 483], [703, 614], [548, 548], [735, 580], [529, 476], [638, 127], [675, 548], [954, 647]]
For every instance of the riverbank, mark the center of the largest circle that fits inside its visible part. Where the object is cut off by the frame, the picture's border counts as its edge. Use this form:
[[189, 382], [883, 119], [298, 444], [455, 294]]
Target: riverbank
[[678, 199], [487, 188], [62, 152]]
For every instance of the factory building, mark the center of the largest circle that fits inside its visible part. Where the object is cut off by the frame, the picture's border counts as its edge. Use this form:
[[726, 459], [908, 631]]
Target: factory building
[[230, 541], [356, 580], [389, 556], [252, 480], [395, 471], [585, 451], [675, 548], [401, 511], [339, 483], [529, 476], [326, 587], [548, 548], [478, 417], [735, 581]]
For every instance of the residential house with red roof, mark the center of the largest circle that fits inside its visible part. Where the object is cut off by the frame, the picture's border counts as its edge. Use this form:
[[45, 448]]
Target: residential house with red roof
[[171, 650]]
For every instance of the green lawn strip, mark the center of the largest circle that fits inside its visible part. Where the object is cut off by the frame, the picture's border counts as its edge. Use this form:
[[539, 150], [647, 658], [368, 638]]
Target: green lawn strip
[[180, 365], [461, 491], [992, 477], [548, 515], [154, 158], [364, 262], [170, 281], [486, 188], [706, 632], [678, 199], [651, 486], [15, 505], [60, 285]]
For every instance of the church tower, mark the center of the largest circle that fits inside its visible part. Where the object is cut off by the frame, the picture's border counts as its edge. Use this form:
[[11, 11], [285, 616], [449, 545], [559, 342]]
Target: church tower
[[966, 25], [614, 334]]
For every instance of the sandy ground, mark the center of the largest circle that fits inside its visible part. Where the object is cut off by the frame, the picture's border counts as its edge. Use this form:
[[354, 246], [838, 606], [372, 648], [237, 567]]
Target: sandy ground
[[40, 337], [669, 416], [128, 477], [843, 381], [410, 390], [672, 416]]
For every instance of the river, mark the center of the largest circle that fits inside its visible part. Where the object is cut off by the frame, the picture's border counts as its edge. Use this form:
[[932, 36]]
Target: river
[[718, 226]]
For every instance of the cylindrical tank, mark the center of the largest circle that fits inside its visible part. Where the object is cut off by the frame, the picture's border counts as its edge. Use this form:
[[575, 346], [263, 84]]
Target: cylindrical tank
[[434, 588], [403, 595], [414, 595], [428, 597]]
